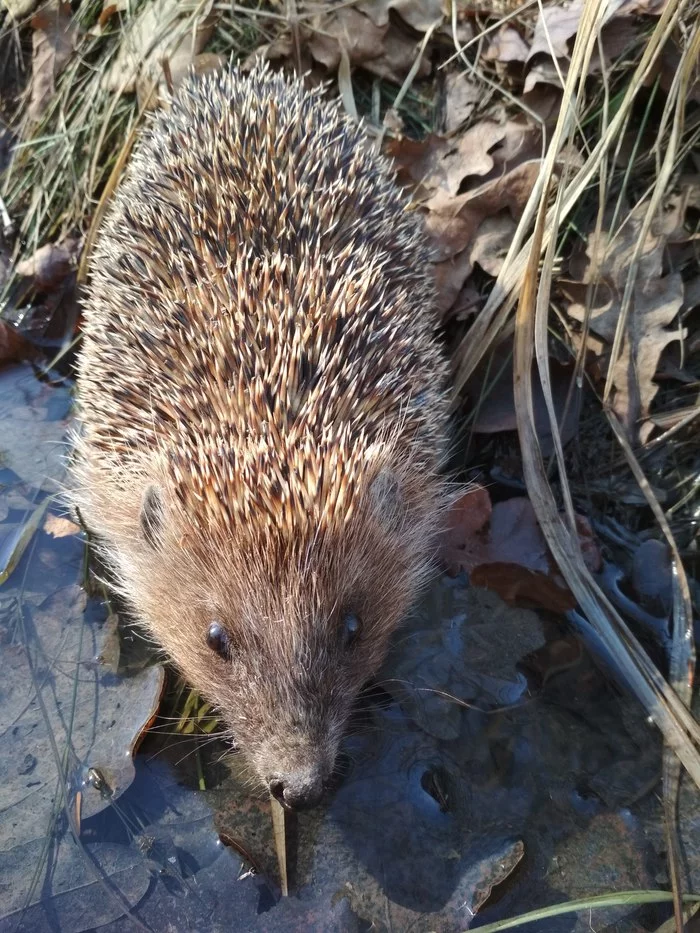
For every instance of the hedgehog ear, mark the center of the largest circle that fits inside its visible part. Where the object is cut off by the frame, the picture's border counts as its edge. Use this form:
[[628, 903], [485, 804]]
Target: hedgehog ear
[[152, 517], [387, 498]]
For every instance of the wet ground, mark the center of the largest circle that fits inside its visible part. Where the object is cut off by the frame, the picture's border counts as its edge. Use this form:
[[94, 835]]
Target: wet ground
[[492, 769]]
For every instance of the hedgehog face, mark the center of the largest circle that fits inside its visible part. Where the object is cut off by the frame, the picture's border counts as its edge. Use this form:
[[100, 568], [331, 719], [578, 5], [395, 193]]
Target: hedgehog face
[[283, 647], [287, 686], [287, 700]]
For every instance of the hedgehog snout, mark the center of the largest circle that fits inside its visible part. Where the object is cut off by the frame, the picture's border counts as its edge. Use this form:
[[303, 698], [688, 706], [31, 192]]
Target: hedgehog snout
[[298, 790]]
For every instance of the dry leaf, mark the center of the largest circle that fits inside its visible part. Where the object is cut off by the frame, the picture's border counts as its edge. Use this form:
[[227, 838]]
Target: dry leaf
[[163, 29], [496, 411], [450, 277], [666, 70], [472, 156], [182, 64], [652, 574], [279, 50], [464, 162], [616, 38], [18, 9], [400, 53], [515, 536], [655, 304], [464, 541], [51, 263], [554, 657], [347, 27], [485, 172], [519, 586], [454, 221], [381, 50], [554, 33], [53, 41], [419, 14], [507, 45], [491, 242], [510, 556], [544, 72], [13, 346], [555, 27], [647, 7], [60, 527], [462, 95]]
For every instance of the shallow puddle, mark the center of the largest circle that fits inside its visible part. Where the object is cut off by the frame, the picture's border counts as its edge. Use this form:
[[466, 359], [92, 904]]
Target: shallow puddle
[[491, 769]]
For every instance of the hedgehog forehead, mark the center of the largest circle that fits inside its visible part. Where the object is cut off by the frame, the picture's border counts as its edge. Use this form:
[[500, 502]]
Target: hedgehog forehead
[[274, 488]]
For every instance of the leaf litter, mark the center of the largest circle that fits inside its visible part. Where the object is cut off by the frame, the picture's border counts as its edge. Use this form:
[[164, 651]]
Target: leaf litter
[[467, 102], [69, 722]]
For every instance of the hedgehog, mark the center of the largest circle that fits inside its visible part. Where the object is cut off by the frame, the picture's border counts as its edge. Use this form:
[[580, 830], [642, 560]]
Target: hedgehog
[[262, 393]]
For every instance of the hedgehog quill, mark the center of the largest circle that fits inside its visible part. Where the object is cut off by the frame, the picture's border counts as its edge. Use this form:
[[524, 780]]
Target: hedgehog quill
[[263, 405]]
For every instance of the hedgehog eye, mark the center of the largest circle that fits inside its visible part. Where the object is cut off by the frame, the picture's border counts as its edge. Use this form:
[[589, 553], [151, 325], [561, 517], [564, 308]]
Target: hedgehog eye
[[351, 629], [218, 640]]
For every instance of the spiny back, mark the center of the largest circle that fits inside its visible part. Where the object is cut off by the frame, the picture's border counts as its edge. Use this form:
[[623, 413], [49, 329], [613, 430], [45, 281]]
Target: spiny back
[[259, 311]]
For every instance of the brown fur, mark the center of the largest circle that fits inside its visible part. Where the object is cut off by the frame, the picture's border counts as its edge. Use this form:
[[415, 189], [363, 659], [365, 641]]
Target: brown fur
[[263, 405]]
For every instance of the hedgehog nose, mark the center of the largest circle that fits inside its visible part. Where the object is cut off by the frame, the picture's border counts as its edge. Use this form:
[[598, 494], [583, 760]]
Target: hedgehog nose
[[297, 790]]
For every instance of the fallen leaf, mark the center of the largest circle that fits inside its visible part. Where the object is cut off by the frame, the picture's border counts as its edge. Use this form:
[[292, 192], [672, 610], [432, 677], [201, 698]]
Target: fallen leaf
[[384, 52], [635, 7], [515, 536], [60, 527], [656, 301], [496, 410], [163, 29], [507, 45], [652, 575], [454, 221], [419, 14], [554, 33], [19, 8], [616, 39], [555, 27], [464, 543], [182, 64], [518, 586], [278, 50], [492, 241], [544, 101], [462, 96], [450, 277], [666, 69], [13, 346], [503, 549], [456, 165], [544, 72], [468, 302], [53, 41], [399, 56], [555, 657], [358, 35], [51, 263]]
